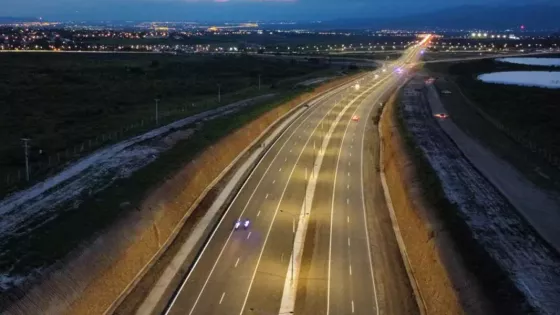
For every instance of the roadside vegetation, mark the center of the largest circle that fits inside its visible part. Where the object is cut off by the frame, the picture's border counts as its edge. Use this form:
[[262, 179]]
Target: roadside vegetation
[[72, 104]]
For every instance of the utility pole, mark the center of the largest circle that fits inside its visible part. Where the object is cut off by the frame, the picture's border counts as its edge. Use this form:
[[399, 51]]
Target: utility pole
[[26, 149], [219, 93], [157, 111], [293, 245], [293, 241]]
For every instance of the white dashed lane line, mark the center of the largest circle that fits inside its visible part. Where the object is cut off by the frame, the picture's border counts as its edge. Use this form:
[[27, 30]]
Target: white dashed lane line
[[237, 262], [249, 235], [222, 298]]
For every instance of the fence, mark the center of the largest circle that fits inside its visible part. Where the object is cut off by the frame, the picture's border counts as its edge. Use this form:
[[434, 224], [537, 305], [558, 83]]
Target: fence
[[527, 143], [42, 166]]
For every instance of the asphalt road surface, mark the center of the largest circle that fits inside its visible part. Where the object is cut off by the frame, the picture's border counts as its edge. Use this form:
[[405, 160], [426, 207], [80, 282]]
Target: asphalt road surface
[[350, 260]]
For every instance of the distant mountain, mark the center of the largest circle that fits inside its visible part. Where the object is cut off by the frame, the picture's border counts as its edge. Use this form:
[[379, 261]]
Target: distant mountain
[[470, 17], [11, 19]]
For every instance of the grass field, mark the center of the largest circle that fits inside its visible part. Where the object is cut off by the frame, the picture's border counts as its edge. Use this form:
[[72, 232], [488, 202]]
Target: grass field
[[532, 113], [63, 101]]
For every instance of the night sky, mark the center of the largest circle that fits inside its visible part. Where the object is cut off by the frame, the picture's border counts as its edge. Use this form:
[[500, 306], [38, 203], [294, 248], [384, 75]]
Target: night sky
[[227, 9]]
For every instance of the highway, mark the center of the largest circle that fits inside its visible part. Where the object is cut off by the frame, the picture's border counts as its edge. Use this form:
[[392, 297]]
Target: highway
[[349, 263]]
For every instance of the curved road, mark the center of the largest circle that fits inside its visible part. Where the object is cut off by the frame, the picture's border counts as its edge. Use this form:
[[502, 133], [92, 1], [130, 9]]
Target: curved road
[[350, 260]]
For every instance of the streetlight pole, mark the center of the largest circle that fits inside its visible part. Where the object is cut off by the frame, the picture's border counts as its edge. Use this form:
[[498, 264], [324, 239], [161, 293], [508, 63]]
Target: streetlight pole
[[157, 111], [293, 241], [26, 149]]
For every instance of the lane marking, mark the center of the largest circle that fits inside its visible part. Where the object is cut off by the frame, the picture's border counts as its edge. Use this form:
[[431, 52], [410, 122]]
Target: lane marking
[[301, 121], [348, 219], [285, 159], [259, 213], [365, 214], [352, 306], [274, 181], [350, 154], [237, 262], [222, 298], [348, 241], [290, 150], [275, 215], [349, 163], [266, 197], [347, 186], [280, 170], [249, 235], [348, 173], [347, 201], [350, 269]]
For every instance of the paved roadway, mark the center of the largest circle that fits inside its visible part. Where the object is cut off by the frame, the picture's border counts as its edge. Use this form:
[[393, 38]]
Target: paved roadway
[[244, 271]]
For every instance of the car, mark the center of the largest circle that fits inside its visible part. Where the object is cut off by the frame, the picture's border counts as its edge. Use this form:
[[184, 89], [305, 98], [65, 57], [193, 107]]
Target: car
[[355, 118], [441, 115], [241, 223]]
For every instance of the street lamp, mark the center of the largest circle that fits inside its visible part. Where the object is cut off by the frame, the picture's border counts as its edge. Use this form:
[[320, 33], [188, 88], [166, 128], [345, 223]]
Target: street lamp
[[293, 240]]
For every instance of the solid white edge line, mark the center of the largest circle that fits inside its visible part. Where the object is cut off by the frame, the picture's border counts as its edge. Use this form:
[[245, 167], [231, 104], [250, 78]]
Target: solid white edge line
[[301, 120], [275, 214], [281, 134], [334, 190]]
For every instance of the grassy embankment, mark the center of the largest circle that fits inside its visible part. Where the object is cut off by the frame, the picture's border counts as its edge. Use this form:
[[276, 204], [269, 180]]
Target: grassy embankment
[[72, 104]]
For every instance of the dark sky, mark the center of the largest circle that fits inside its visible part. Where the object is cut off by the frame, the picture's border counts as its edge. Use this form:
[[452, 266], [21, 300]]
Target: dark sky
[[226, 9]]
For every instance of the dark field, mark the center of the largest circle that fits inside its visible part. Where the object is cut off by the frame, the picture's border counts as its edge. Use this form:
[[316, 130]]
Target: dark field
[[532, 113], [67, 102]]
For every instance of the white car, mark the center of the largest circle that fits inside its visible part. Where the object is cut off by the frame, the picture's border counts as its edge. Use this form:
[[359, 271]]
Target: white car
[[239, 223]]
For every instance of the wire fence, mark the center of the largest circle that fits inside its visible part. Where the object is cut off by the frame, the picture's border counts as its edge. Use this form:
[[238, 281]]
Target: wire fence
[[43, 165], [527, 143]]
